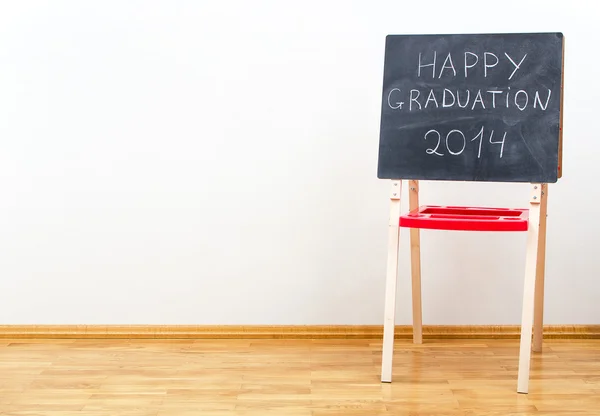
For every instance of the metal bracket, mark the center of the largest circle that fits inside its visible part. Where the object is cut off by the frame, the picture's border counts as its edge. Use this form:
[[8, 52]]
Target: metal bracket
[[536, 193], [395, 190]]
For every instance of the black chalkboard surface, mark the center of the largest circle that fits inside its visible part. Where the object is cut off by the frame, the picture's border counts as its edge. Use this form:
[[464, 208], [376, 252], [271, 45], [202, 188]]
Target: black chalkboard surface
[[472, 107]]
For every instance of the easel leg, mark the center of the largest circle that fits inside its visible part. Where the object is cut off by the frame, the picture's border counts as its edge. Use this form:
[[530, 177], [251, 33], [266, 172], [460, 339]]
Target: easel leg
[[415, 266], [529, 289], [538, 314], [390, 284]]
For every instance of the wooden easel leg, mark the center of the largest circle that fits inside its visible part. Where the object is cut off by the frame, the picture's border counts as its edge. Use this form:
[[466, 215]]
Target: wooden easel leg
[[415, 266], [390, 284], [538, 314], [529, 289]]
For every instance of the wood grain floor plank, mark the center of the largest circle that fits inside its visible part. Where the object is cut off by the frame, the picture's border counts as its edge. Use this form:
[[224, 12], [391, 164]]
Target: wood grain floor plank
[[293, 378]]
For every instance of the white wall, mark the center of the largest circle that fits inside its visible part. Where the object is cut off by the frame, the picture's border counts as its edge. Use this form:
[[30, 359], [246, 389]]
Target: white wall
[[189, 162]]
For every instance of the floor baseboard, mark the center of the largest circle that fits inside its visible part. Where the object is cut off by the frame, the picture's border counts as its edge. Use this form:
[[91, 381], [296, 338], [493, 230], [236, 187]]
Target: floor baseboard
[[286, 331]]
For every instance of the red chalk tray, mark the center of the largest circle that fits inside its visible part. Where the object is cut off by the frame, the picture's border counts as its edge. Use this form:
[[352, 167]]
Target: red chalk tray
[[437, 217]]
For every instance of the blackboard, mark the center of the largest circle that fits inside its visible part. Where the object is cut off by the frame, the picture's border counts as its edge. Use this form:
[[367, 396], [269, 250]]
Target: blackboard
[[472, 107]]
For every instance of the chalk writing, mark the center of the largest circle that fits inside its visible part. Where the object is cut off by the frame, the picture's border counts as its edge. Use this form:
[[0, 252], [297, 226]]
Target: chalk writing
[[470, 99], [480, 137], [461, 138], [490, 60], [439, 139]]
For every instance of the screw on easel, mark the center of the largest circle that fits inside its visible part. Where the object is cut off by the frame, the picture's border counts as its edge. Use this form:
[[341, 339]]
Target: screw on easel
[[394, 193], [412, 189], [535, 197], [535, 187]]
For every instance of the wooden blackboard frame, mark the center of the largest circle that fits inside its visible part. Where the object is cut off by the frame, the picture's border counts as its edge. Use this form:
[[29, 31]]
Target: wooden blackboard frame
[[561, 125]]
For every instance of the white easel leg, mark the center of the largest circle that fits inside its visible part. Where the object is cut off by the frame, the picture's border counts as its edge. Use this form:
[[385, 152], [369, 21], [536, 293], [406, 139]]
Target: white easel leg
[[390, 284], [538, 314], [415, 266], [529, 289]]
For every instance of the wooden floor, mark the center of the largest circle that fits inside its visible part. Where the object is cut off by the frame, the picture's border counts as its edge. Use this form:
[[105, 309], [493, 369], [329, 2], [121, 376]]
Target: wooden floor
[[293, 377]]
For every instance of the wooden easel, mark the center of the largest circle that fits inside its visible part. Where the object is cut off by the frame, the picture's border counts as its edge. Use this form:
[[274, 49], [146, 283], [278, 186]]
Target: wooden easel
[[533, 294], [403, 154]]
